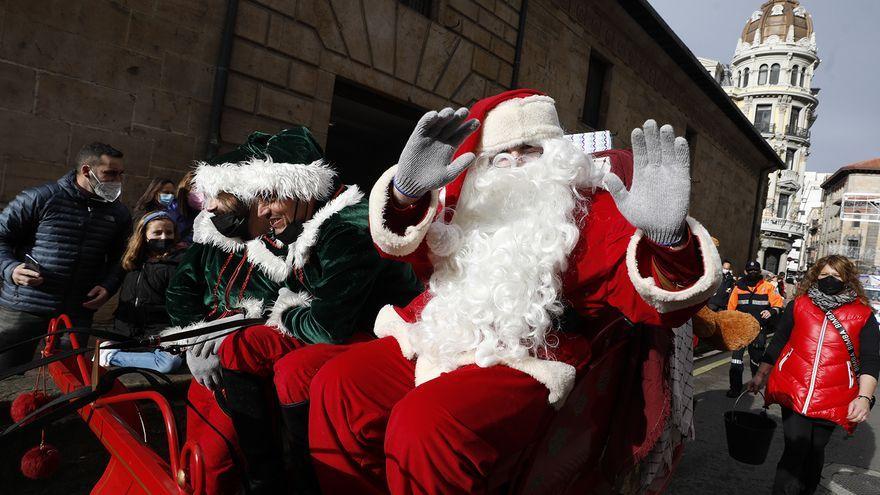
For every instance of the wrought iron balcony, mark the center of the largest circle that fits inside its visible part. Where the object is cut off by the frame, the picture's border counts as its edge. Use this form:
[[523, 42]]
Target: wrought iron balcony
[[783, 226], [798, 132]]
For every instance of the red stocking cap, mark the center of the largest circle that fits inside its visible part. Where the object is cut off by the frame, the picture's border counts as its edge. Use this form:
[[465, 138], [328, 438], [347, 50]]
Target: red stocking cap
[[507, 130]]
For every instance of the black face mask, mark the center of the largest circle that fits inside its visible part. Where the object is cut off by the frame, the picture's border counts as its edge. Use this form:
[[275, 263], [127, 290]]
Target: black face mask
[[290, 233], [752, 277], [230, 225], [160, 245], [830, 285]]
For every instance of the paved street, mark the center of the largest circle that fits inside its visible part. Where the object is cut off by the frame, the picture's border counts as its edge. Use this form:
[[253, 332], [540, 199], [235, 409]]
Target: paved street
[[706, 467]]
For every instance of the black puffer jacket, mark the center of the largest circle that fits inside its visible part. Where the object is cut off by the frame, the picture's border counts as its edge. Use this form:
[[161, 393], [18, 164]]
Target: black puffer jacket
[[141, 309], [77, 239]]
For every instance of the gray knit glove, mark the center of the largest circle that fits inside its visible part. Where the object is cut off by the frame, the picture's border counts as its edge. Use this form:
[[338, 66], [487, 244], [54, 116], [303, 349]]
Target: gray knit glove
[[425, 161], [658, 200], [205, 369]]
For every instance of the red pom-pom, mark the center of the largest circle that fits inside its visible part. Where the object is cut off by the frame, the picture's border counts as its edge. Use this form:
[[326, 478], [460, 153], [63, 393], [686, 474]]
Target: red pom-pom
[[27, 403], [40, 462]]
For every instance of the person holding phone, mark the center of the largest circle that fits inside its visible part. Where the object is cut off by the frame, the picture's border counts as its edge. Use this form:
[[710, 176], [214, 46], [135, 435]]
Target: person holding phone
[[60, 246]]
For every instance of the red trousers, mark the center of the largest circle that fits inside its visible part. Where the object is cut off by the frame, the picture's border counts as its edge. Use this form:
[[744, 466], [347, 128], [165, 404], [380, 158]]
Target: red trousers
[[262, 351], [372, 431]]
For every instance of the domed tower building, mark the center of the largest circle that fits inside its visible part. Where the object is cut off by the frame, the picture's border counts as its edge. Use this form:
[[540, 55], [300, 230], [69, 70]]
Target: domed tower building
[[771, 81]]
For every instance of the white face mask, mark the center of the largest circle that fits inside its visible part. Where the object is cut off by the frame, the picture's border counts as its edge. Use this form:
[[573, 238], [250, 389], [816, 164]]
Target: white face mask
[[108, 191], [725, 271]]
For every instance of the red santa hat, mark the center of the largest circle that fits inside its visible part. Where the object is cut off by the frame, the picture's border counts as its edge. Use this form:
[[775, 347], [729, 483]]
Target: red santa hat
[[507, 120]]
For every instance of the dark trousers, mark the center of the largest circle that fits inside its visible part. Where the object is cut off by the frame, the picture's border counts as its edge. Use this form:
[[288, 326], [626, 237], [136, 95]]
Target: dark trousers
[[17, 326], [756, 350], [800, 468]]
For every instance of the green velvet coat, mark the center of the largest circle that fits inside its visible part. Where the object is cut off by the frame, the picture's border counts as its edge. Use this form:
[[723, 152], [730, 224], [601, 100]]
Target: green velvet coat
[[332, 281]]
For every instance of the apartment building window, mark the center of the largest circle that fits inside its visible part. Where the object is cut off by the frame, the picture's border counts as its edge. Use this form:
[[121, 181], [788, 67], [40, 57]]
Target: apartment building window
[[597, 88], [793, 119], [745, 77], [789, 158], [782, 205], [739, 78], [803, 75], [762, 75], [774, 74], [794, 76], [423, 7], [762, 117]]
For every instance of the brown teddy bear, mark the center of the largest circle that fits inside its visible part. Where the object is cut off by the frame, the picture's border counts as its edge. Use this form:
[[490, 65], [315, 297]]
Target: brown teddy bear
[[725, 330]]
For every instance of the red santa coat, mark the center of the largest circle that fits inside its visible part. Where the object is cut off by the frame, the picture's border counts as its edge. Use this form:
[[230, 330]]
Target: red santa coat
[[613, 270]]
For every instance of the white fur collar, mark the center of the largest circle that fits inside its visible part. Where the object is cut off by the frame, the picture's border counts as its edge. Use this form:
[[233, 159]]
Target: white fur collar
[[271, 265], [258, 177], [298, 252]]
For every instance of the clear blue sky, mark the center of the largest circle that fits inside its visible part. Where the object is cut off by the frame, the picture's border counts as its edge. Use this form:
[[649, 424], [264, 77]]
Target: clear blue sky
[[848, 38]]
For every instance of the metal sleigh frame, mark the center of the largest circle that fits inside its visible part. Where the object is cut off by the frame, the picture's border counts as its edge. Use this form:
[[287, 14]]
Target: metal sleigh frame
[[565, 460]]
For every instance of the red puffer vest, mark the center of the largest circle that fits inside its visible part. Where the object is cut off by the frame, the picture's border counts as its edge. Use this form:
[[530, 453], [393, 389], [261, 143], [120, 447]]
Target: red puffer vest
[[813, 375]]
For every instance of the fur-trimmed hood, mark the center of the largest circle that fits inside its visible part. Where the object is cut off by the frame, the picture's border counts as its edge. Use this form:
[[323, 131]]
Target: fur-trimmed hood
[[260, 177]]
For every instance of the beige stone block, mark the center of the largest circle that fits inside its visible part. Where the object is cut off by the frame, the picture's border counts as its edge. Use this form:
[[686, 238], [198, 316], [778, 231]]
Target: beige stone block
[[490, 22], [457, 71], [320, 118], [486, 64], [505, 74], [439, 47], [188, 77], [325, 84], [259, 63], [487, 4], [16, 88], [137, 150], [169, 150], [284, 106], [153, 36], [72, 100], [510, 35], [412, 29], [295, 39], [351, 25], [195, 14], [24, 174], [468, 8], [252, 22], [236, 126], [98, 20], [507, 13], [286, 7], [35, 137], [303, 78], [163, 110], [318, 14], [503, 50], [473, 32], [241, 93], [472, 90], [379, 17], [27, 43]]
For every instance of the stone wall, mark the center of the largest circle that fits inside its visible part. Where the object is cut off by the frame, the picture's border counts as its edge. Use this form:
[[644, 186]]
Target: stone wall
[[136, 74]]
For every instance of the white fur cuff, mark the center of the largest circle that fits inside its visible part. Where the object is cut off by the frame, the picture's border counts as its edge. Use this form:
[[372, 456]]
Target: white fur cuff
[[389, 242], [390, 324], [287, 299], [260, 177], [666, 301]]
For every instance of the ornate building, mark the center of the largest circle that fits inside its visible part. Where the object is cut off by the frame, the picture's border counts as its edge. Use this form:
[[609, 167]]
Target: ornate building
[[770, 80]]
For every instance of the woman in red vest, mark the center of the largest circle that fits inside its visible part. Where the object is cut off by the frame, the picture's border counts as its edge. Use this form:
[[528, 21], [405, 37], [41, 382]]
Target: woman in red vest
[[822, 364]]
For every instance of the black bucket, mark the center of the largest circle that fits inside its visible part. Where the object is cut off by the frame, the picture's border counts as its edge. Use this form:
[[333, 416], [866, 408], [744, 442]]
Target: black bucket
[[749, 434]]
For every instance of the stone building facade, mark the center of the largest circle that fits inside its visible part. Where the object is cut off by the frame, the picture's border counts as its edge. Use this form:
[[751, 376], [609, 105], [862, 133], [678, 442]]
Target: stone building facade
[[850, 216], [140, 74]]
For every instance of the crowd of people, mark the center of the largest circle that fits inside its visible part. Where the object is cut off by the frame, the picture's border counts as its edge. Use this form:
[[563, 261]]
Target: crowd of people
[[413, 335]]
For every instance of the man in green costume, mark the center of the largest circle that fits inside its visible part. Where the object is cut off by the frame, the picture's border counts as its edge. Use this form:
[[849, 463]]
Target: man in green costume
[[312, 269]]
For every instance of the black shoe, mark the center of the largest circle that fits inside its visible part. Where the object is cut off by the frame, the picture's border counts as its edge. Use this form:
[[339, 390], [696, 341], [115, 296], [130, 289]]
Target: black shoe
[[733, 394], [247, 406], [296, 424]]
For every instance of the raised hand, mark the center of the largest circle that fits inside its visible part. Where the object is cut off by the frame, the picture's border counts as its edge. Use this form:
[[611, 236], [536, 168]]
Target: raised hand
[[426, 161], [659, 198]]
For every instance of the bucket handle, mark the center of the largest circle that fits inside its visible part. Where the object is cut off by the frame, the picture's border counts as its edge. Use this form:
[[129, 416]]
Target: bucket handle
[[765, 407]]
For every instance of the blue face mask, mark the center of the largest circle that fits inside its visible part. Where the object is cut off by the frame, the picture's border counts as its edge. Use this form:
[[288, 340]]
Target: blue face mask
[[166, 198]]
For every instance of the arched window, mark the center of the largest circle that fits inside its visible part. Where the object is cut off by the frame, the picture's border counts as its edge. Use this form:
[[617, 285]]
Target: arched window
[[774, 74], [794, 75], [739, 78], [803, 74], [745, 77], [762, 75]]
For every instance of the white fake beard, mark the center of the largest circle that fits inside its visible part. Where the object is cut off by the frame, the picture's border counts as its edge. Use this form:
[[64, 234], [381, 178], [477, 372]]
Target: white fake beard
[[497, 267]]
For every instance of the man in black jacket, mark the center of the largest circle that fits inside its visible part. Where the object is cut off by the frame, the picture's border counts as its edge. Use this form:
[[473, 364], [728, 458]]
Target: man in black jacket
[[75, 229], [718, 302]]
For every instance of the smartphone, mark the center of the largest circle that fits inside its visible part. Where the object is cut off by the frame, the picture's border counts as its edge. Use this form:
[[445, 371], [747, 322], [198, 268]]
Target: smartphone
[[31, 264]]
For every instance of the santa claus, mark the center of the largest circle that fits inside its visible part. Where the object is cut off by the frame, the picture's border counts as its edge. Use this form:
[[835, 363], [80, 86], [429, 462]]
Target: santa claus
[[528, 249]]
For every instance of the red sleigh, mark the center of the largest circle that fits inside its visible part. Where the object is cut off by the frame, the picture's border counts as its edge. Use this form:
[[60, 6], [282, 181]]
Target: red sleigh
[[571, 457]]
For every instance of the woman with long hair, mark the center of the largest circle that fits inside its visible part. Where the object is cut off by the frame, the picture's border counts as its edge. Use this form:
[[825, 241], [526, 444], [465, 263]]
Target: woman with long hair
[[189, 203], [150, 260], [821, 368], [158, 196]]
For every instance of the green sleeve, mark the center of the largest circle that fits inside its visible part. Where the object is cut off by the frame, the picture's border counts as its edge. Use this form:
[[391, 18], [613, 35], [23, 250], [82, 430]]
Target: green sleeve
[[349, 267], [184, 298]]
